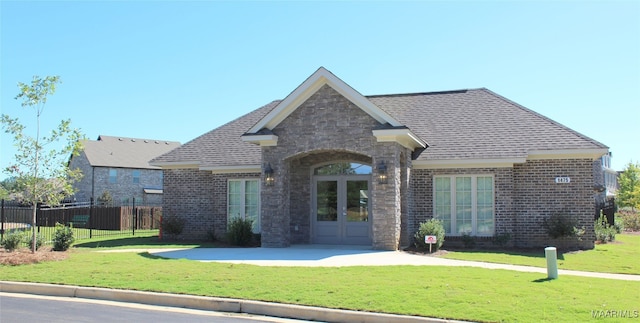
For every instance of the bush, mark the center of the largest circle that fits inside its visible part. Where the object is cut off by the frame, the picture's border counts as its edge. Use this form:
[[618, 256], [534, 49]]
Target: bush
[[501, 239], [560, 226], [468, 241], [12, 241], [172, 225], [39, 241], [604, 231], [239, 231], [62, 238], [432, 227], [630, 220]]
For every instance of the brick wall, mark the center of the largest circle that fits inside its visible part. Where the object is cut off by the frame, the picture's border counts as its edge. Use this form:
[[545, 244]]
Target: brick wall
[[200, 198], [95, 181], [537, 196]]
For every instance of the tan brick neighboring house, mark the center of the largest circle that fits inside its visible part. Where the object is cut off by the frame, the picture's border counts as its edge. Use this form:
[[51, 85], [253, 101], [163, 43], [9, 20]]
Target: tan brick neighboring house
[[328, 165], [121, 167]]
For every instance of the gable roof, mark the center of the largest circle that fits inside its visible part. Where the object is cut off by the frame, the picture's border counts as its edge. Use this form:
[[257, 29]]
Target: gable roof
[[463, 127], [393, 130], [305, 90], [122, 152]]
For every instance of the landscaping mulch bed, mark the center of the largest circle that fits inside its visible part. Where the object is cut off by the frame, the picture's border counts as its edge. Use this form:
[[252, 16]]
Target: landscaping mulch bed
[[25, 257]]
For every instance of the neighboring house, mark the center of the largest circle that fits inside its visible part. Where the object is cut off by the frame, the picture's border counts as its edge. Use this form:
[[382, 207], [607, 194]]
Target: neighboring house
[[120, 166], [327, 165], [606, 179]]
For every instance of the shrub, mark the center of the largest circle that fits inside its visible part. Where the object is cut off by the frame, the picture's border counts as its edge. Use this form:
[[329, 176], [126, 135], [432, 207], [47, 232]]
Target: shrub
[[501, 239], [62, 238], [468, 241], [39, 241], [629, 219], [12, 241], [239, 231], [432, 227], [559, 226], [604, 231], [173, 225]]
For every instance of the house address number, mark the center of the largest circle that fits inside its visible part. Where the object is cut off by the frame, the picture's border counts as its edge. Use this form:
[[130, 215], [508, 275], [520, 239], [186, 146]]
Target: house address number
[[563, 180]]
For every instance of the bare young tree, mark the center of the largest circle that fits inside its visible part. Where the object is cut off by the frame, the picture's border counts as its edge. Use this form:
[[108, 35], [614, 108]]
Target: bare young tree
[[41, 171]]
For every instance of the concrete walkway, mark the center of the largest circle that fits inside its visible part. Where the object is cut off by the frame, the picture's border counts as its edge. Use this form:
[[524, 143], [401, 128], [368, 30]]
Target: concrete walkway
[[338, 256]]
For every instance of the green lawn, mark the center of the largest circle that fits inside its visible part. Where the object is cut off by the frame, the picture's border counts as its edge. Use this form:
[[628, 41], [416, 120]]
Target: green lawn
[[445, 292], [142, 240], [621, 256]]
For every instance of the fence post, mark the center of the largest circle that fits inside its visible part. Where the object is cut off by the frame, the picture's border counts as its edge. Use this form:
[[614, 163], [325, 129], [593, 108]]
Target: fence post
[[133, 216], [90, 217], [2, 221]]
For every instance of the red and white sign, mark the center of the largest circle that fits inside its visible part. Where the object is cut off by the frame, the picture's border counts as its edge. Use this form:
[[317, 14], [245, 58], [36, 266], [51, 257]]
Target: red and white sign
[[430, 239]]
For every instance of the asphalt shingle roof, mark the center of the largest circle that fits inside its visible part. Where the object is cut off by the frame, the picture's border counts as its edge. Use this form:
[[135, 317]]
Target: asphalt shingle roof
[[461, 124], [478, 124], [125, 152], [222, 146]]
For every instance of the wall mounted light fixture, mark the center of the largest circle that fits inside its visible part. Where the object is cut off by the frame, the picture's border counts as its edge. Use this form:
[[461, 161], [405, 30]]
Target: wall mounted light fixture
[[268, 175], [382, 173]]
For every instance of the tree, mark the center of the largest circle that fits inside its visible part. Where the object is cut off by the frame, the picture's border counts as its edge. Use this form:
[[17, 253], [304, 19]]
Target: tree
[[629, 191], [42, 175]]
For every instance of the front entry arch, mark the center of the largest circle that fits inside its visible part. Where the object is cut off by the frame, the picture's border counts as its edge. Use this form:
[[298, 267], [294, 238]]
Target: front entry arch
[[341, 205]]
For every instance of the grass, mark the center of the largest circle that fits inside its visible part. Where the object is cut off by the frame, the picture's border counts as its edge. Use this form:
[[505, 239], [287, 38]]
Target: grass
[[445, 292], [461, 293], [619, 257], [143, 240]]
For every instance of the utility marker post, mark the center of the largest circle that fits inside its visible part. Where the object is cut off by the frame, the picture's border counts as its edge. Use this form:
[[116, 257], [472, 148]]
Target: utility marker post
[[552, 262]]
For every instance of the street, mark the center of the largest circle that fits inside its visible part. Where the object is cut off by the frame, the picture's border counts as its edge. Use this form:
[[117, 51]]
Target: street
[[34, 308]]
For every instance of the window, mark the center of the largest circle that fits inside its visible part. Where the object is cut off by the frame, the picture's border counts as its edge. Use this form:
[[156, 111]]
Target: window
[[243, 201], [136, 176], [113, 176], [465, 204], [343, 168]]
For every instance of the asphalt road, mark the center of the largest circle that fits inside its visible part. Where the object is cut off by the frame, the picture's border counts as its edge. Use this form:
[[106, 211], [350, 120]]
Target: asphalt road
[[32, 308]]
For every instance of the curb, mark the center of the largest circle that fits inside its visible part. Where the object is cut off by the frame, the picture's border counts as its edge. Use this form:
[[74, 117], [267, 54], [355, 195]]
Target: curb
[[213, 304]]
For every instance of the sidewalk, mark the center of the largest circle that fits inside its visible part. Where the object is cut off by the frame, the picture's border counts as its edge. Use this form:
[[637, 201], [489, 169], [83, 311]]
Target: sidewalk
[[339, 256]]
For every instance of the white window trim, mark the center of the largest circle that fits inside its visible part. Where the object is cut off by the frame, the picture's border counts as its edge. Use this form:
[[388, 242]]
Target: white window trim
[[474, 202], [243, 206]]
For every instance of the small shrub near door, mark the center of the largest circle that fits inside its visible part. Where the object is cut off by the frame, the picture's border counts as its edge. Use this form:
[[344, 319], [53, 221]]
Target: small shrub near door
[[432, 227], [62, 238], [239, 232]]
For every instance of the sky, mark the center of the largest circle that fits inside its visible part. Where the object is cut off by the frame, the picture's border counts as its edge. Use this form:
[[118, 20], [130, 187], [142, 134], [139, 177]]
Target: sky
[[174, 70]]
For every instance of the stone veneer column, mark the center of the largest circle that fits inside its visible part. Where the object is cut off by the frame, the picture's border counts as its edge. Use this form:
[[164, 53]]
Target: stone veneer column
[[386, 205], [275, 207]]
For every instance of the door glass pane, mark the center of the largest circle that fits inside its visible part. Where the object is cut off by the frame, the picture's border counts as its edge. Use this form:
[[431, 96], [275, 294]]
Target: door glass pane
[[357, 201], [327, 201]]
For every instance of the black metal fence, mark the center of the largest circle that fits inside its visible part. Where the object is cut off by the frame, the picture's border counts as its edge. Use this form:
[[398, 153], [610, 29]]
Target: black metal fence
[[87, 219]]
